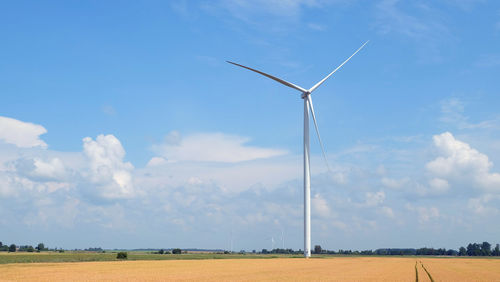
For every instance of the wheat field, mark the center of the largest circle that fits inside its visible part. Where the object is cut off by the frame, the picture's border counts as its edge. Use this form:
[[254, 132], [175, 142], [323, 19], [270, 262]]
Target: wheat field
[[282, 269]]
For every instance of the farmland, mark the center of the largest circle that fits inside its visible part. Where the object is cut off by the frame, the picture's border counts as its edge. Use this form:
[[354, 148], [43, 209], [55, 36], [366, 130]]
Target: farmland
[[326, 268], [111, 256]]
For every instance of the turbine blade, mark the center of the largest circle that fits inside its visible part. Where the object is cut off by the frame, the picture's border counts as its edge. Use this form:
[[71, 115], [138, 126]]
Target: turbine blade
[[309, 100], [272, 77], [323, 80]]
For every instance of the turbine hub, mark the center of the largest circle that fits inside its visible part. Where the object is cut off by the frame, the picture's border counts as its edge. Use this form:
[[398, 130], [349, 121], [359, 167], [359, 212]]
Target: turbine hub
[[304, 95]]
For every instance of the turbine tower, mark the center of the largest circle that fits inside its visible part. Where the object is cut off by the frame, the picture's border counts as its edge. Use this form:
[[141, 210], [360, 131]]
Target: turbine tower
[[308, 108]]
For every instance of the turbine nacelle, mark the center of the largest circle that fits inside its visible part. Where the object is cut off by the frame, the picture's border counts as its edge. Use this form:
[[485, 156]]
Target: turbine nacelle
[[305, 94]]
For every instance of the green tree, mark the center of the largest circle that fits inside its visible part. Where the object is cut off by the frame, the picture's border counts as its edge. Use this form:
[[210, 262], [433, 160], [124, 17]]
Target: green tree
[[176, 251], [317, 249], [12, 248], [462, 251], [40, 247], [122, 255], [486, 249], [30, 249], [161, 252], [496, 251]]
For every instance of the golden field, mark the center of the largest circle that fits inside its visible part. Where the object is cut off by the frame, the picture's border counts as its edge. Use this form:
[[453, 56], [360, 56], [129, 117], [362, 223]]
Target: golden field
[[284, 269]]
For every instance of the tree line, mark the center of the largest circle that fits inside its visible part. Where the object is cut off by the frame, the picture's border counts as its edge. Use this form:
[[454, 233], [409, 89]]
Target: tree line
[[472, 249], [26, 248]]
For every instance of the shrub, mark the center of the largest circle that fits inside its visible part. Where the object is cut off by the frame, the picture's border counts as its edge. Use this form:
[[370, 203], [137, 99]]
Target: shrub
[[122, 255]]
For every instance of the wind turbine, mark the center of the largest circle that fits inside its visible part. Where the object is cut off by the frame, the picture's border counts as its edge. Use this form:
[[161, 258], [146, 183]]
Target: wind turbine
[[308, 106]]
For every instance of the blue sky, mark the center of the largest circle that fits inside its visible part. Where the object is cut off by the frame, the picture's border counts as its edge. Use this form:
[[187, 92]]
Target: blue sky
[[122, 126]]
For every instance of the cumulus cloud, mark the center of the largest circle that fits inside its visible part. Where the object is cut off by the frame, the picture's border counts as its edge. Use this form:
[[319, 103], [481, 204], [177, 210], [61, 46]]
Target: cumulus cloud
[[51, 169], [107, 168], [459, 161], [439, 185], [212, 147], [20, 133]]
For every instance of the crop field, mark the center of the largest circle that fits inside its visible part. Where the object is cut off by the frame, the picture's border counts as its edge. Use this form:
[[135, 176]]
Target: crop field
[[111, 256], [284, 269]]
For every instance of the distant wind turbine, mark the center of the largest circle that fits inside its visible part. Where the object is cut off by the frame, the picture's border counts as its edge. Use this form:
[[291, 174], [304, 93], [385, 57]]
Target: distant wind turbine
[[308, 106]]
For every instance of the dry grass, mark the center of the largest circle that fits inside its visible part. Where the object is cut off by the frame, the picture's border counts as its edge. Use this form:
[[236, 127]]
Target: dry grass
[[284, 269]]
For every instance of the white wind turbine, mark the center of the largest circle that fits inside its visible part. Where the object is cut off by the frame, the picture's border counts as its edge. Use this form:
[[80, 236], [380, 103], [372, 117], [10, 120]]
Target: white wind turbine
[[306, 95]]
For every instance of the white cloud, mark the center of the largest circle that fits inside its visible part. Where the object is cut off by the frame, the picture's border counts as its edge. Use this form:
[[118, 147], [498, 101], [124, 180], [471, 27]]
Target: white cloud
[[107, 169], [394, 183], [480, 206], [439, 185], [52, 169], [452, 112], [231, 177], [6, 187], [22, 134], [320, 206], [156, 161], [212, 147], [374, 199], [425, 214], [461, 162]]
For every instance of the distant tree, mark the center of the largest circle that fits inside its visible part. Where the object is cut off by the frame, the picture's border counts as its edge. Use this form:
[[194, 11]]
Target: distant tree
[[496, 251], [122, 255], [264, 251], [451, 252], [486, 249], [176, 251], [253, 251], [40, 247], [317, 249], [12, 248], [30, 249], [1, 244], [462, 251], [161, 252], [366, 252]]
